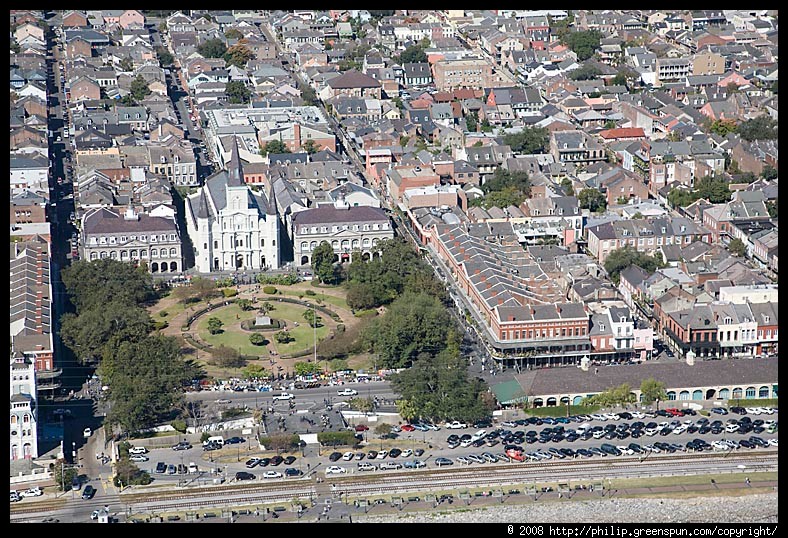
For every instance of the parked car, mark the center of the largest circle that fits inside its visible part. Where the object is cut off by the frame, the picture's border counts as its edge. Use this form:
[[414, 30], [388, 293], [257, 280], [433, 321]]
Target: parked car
[[361, 427], [272, 474], [347, 392], [88, 492], [161, 467], [32, 492], [289, 460], [440, 462], [414, 464], [335, 456], [252, 463], [335, 469], [243, 475], [456, 425], [407, 428], [364, 466], [284, 396], [234, 440], [138, 458], [290, 471], [183, 445], [389, 465]]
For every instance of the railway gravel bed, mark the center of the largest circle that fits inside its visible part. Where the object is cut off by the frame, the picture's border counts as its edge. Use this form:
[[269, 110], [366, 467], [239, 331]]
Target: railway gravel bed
[[754, 508]]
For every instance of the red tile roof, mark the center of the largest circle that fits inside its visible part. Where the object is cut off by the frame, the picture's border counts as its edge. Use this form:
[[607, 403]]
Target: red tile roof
[[623, 132]]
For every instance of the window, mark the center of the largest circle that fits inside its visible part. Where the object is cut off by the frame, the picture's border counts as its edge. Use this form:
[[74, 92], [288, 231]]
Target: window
[[172, 237]]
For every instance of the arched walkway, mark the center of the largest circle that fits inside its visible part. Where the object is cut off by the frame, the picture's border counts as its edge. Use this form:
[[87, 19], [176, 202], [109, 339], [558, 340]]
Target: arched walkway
[[538, 402], [763, 392], [304, 260], [551, 402], [710, 394], [725, 394]]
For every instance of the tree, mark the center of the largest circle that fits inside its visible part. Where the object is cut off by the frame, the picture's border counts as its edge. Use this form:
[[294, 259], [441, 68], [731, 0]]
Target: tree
[[761, 128], [139, 88], [585, 72], [100, 282], [308, 94], [165, 57], [310, 147], [414, 323], [126, 64], [652, 390], [621, 258], [227, 357], [306, 368], [681, 197], [722, 127], [162, 27], [768, 173], [592, 199], [612, 397], [127, 100], [233, 33], [413, 54], [363, 296], [583, 43], [382, 430], [145, 380], [566, 184], [713, 188], [485, 126], [238, 55], [274, 146], [212, 48], [323, 262], [406, 409], [365, 405], [255, 371], [528, 140], [312, 319], [244, 304], [215, 325], [237, 91], [771, 206], [64, 475], [88, 333], [257, 339], [472, 121], [439, 388], [737, 247], [283, 337], [266, 307]]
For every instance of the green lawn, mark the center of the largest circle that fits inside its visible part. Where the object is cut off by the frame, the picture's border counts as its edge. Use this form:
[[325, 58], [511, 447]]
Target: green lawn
[[560, 411], [330, 299], [236, 339]]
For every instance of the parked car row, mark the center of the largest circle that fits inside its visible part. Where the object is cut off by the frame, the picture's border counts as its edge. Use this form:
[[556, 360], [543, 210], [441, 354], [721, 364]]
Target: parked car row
[[374, 454], [289, 472], [264, 462]]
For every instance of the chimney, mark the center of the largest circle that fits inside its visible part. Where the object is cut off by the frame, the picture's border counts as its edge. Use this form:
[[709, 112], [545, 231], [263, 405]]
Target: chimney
[[500, 301], [297, 133]]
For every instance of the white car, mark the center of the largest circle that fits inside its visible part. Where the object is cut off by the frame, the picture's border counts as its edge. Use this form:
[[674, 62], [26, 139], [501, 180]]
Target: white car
[[463, 459], [638, 414], [347, 392], [681, 429], [626, 450], [335, 469], [284, 396], [364, 466], [456, 425], [406, 453], [720, 445], [272, 474], [772, 442], [612, 416], [347, 456], [597, 416], [753, 410], [389, 465], [136, 450], [32, 492], [382, 454], [138, 458], [767, 410]]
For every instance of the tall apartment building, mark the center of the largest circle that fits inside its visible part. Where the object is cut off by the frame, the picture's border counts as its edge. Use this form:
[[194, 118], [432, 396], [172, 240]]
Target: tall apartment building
[[465, 73], [23, 408], [672, 69]]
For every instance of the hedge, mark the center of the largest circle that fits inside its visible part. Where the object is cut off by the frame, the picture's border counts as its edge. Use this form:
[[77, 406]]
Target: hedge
[[281, 280], [310, 292], [336, 438], [229, 292], [159, 325], [270, 290], [330, 313], [280, 441]]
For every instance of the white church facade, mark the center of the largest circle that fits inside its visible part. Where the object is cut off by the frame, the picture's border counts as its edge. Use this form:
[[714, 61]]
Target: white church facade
[[232, 227]]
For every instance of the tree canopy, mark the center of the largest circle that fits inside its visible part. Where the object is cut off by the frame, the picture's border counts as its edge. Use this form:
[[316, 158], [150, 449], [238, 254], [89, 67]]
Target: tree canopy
[[737, 247], [438, 387], [712, 188], [528, 140], [652, 390], [621, 258], [323, 263], [504, 188], [274, 146], [414, 323], [592, 199], [585, 72], [139, 88], [212, 48], [237, 91], [145, 380], [97, 283], [583, 43], [233, 33], [612, 397], [165, 56], [238, 55], [760, 128], [413, 54], [107, 325]]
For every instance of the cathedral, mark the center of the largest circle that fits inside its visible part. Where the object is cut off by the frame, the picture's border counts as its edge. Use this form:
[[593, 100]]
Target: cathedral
[[232, 227]]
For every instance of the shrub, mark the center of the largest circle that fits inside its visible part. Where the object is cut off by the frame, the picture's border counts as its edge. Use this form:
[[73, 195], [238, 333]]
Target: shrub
[[163, 314], [229, 292], [310, 292], [280, 441], [281, 280], [159, 325], [179, 425], [257, 339], [204, 437], [340, 328], [224, 282], [336, 438], [270, 290]]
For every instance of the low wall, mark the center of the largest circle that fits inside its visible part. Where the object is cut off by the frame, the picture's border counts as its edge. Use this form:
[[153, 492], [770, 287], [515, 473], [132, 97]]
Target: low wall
[[36, 475]]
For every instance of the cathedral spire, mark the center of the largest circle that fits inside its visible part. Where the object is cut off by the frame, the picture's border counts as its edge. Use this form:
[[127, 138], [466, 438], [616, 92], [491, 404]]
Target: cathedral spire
[[235, 172]]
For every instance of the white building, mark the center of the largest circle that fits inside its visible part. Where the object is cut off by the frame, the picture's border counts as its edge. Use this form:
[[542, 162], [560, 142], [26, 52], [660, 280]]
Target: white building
[[232, 227], [24, 443]]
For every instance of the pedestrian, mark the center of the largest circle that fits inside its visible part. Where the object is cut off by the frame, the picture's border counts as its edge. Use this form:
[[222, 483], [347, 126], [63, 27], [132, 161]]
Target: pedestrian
[[747, 480]]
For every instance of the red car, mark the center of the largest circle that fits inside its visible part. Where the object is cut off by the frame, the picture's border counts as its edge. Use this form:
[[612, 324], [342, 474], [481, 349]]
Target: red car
[[407, 428], [362, 428], [516, 455]]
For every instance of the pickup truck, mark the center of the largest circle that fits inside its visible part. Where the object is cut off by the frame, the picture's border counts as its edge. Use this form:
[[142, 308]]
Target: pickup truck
[[284, 396], [347, 392]]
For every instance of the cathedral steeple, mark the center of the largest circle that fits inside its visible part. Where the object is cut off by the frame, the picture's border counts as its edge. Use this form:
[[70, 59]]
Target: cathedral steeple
[[235, 172]]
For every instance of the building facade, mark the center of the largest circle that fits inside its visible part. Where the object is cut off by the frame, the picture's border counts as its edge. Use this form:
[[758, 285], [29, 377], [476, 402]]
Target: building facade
[[232, 227], [132, 237], [23, 409], [346, 228]]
